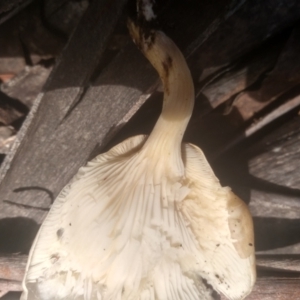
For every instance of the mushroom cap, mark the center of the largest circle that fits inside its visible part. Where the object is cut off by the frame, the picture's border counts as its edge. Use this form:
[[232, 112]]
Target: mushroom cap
[[125, 228]]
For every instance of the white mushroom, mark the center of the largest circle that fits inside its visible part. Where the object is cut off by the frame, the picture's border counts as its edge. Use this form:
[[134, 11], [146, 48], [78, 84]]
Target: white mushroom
[[148, 219]]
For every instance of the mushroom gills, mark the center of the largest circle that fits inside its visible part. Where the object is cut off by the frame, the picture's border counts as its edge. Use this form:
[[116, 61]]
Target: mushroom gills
[[147, 219]]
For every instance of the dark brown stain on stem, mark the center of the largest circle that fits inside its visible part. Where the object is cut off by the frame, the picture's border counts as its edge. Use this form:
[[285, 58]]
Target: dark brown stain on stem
[[143, 36], [167, 65]]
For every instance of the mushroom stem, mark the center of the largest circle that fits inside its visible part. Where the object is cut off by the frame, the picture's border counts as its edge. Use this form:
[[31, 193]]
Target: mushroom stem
[[178, 101]]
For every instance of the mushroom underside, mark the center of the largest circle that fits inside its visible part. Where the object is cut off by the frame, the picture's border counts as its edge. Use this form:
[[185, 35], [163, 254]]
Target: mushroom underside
[[125, 228]]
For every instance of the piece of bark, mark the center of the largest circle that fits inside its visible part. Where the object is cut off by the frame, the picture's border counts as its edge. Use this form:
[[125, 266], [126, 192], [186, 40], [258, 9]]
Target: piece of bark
[[64, 15], [11, 109], [7, 286], [257, 125], [282, 78], [8, 5], [275, 289], [50, 133], [273, 164], [276, 157], [12, 60], [285, 74], [277, 235], [7, 136], [246, 27], [279, 262], [9, 8], [271, 288], [6, 77], [12, 267], [247, 103], [275, 160], [242, 75], [268, 204], [27, 84], [40, 43], [273, 115]]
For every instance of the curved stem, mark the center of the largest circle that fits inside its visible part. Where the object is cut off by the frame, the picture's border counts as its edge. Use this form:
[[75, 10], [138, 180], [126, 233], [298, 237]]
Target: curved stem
[[178, 101]]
